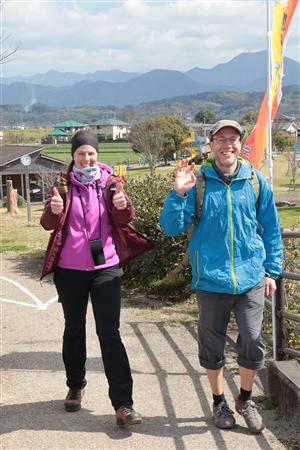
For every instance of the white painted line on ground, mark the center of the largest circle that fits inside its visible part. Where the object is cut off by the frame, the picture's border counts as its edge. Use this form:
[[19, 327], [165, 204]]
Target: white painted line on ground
[[23, 289], [49, 302], [38, 303]]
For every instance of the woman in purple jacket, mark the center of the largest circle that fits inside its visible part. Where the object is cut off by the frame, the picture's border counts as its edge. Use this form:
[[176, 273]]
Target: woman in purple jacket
[[83, 255]]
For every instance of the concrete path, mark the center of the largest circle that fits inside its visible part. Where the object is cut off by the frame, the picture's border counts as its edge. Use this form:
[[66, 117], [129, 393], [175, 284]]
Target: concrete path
[[170, 388]]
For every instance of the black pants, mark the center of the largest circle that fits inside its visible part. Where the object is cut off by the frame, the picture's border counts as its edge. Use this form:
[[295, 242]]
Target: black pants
[[104, 288]]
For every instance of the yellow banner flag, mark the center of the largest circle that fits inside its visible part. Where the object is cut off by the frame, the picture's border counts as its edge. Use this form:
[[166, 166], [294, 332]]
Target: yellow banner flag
[[255, 146]]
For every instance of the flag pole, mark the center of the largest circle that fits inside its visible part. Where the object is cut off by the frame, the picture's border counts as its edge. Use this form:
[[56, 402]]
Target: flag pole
[[269, 75], [269, 148]]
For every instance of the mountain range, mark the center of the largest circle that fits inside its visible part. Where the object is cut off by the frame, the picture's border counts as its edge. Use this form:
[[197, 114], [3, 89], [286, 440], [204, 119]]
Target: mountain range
[[229, 104], [245, 73], [59, 79]]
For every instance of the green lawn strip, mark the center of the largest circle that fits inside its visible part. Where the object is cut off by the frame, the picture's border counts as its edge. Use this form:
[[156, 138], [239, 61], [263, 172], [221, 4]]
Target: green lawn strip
[[114, 145], [19, 236], [67, 147], [61, 156], [289, 216]]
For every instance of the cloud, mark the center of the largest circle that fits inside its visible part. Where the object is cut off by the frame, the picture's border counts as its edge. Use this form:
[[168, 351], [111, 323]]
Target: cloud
[[131, 35]]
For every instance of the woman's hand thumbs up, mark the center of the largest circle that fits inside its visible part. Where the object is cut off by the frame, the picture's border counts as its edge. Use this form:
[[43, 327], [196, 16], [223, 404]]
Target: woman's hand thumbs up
[[56, 202], [119, 199]]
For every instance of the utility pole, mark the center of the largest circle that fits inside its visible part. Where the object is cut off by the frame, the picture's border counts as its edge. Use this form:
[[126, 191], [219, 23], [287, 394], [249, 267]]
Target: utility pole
[[26, 161]]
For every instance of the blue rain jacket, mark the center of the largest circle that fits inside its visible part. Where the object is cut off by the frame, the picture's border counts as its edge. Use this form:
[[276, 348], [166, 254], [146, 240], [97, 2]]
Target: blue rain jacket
[[236, 243]]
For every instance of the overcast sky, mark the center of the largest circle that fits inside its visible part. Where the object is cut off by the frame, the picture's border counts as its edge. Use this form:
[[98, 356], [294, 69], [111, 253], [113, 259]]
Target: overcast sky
[[135, 36]]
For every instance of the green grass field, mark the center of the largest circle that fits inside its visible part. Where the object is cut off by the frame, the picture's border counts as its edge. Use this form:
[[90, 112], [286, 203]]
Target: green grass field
[[26, 136], [109, 153], [17, 235], [282, 175]]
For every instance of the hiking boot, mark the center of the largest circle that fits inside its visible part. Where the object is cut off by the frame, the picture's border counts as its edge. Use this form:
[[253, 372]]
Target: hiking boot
[[252, 417], [127, 416], [73, 400], [223, 416]]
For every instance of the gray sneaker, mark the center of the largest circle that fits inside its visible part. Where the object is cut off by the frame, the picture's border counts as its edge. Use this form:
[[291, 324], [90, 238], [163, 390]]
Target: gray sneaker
[[223, 416], [252, 417]]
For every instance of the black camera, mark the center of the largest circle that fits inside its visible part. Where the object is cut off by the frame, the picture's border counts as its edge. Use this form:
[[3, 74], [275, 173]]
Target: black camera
[[97, 251]]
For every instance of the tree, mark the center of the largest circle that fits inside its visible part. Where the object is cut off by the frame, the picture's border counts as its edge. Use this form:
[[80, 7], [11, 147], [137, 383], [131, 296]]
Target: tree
[[250, 118], [158, 137], [205, 115], [149, 138], [282, 141], [176, 131]]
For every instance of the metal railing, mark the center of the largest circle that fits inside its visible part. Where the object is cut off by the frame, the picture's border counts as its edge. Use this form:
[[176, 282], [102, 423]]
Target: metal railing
[[280, 313]]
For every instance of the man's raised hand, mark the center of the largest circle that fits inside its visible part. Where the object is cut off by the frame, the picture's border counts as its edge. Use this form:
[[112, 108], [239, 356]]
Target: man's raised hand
[[184, 177], [56, 202]]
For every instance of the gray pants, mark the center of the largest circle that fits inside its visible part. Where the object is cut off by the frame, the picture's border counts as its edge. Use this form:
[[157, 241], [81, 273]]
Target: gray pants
[[214, 315]]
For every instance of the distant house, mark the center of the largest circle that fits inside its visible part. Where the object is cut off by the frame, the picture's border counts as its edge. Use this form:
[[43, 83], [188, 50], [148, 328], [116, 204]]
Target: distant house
[[63, 131], [42, 170], [57, 136], [110, 129]]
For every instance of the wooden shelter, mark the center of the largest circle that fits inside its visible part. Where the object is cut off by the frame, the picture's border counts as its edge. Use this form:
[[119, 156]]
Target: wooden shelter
[[41, 169]]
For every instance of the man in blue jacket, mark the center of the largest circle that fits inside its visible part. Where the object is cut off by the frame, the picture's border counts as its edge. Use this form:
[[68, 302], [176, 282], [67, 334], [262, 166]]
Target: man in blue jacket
[[236, 255]]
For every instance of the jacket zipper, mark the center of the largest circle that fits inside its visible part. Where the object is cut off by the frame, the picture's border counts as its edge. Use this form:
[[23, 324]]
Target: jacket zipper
[[231, 237]]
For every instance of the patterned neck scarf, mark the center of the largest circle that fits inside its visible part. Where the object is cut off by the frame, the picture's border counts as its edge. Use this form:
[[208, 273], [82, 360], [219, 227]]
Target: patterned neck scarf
[[86, 175]]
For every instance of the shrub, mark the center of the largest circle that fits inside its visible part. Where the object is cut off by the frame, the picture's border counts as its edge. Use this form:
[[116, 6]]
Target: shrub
[[20, 201], [147, 196], [178, 286], [292, 290]]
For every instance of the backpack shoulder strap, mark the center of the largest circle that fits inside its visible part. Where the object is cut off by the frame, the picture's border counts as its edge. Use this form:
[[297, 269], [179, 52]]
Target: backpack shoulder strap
[[200, 190], [200, 187], [256, 186]]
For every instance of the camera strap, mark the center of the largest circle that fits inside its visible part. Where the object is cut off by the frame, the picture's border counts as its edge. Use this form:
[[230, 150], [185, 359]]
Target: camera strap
[[84, 212]]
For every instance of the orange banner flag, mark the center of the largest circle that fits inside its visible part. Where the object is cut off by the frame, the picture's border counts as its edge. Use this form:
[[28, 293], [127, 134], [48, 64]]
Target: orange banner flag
[[255, 146]]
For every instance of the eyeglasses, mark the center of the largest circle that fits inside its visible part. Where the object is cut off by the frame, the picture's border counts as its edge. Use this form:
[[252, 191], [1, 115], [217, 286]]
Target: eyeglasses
[[222, 140]]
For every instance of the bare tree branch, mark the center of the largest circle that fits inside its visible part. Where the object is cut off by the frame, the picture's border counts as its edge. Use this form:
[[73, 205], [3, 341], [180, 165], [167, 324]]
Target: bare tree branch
[[6, 52], [149, 138]]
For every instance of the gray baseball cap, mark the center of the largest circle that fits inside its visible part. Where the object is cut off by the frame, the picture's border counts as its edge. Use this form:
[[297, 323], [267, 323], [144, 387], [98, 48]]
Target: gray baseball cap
[[225, 123]]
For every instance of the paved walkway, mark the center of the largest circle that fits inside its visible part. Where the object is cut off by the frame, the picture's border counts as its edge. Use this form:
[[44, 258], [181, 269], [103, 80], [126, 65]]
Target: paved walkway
[[170, 388]]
